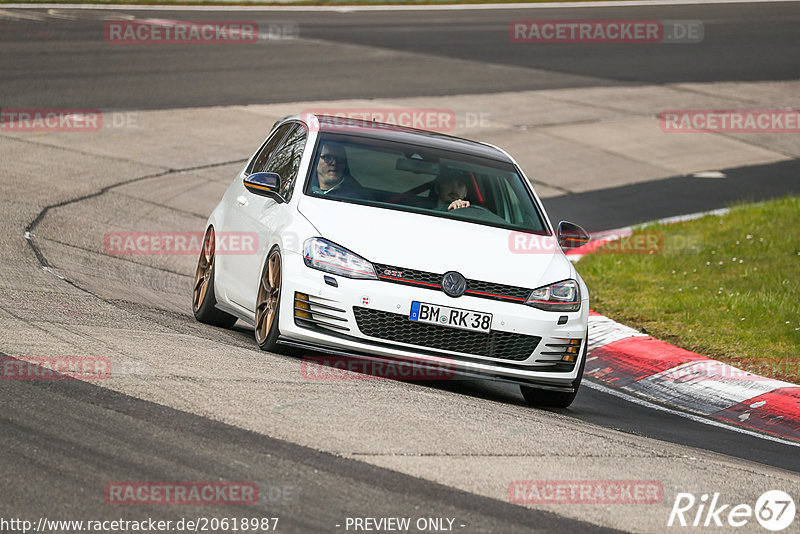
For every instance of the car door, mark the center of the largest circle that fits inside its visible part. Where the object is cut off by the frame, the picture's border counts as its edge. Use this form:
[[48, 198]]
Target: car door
[[236, 221], [255, 213]]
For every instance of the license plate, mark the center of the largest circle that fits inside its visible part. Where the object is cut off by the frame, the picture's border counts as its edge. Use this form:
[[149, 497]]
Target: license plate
[[452, 317]]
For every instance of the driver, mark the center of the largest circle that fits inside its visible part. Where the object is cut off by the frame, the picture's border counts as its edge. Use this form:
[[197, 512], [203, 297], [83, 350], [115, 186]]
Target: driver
[[451, 193], [333, 174]]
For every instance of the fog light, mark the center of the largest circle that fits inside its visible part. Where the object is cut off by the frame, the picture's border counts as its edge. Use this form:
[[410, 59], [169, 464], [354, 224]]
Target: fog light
[[571, 350], [300, 304]]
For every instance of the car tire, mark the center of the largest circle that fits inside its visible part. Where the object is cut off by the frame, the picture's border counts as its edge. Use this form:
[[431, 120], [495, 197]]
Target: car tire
[[268, 302], [546, 398], [204, 300]]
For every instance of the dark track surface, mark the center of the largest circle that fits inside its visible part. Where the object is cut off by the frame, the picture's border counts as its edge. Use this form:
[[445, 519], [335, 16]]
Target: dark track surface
[[66, 63], [104, 436], [619, 413], [616, 207]]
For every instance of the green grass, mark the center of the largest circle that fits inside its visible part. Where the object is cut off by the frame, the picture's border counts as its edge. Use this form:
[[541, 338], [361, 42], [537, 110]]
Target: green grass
[[726, 287]]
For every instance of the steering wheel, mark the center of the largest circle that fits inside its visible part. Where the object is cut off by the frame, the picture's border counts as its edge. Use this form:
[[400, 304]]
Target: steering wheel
[[468, 207]]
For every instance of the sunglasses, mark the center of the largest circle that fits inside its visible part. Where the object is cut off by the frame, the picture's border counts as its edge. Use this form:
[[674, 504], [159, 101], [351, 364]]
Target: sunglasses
[[330, 158]]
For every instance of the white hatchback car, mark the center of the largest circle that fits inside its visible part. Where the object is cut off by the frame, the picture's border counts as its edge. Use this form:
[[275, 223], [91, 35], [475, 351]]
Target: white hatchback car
[[388, 243]]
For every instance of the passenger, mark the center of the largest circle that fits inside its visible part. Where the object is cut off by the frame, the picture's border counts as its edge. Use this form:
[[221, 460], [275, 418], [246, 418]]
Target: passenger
[[451, 192], [333, 174]]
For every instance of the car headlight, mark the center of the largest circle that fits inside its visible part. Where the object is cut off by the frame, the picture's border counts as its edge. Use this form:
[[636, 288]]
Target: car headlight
[[321, 254], [562, 296]]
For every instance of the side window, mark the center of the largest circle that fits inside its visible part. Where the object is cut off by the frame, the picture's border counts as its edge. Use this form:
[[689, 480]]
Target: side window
[[286, 160], [260, 162]]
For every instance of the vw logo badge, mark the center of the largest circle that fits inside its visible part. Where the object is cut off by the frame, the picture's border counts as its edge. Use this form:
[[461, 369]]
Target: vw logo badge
[[453, 284]]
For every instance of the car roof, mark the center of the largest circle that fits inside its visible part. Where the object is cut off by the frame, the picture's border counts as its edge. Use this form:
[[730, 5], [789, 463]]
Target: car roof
[[407, 135]]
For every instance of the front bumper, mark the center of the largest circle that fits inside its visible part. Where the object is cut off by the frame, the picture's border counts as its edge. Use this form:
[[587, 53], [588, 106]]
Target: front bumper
[[326, 318]]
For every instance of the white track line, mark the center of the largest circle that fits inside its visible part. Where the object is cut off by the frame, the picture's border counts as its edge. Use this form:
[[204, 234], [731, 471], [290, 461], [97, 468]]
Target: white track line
[[711, 422], [436, 7]]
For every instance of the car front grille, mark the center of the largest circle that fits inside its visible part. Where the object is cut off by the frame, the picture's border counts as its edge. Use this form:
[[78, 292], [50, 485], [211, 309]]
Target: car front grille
[[494, 291], [398, 327], [428, 280]]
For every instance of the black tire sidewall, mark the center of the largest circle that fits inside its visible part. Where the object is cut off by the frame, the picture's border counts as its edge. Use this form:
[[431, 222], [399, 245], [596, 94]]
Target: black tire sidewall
[[207, 312], [576, 384], [271, 342]]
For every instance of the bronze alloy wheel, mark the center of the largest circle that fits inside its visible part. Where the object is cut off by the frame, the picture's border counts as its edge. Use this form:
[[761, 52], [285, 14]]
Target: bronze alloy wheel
[[204, 301], [205, 270], [269, 296]]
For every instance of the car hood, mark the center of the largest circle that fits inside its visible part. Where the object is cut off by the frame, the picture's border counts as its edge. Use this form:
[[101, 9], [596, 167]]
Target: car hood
[[435, 244]]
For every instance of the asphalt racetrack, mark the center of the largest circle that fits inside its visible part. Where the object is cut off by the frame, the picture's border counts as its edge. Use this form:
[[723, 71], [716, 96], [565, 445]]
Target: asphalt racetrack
[[195, 403], [742, 42]]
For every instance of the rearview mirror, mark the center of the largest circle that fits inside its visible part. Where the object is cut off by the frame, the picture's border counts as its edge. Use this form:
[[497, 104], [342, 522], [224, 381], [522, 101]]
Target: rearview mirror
[[417, 166], [265, 184], [570, 235]]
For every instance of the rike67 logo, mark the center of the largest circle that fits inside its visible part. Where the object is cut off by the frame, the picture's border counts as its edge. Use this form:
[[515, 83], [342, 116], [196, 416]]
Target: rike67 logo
[[774, 510]]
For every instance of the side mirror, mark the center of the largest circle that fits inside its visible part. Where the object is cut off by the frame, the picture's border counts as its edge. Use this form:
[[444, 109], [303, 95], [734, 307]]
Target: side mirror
[[265, 184], [570, 235]]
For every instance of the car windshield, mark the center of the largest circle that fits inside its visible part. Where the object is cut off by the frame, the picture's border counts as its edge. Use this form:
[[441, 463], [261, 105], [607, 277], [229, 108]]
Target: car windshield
[[422, 180]]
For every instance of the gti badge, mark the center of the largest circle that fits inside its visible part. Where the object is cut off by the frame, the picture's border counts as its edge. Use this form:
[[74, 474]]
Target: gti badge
[[453, 284]]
